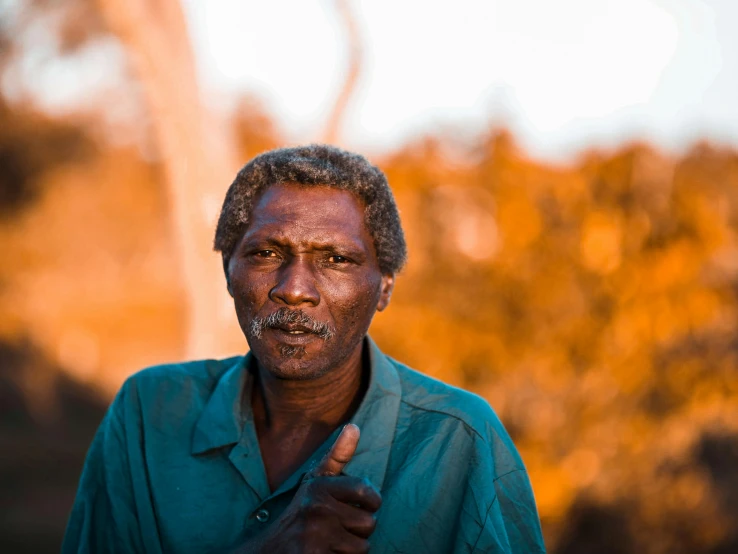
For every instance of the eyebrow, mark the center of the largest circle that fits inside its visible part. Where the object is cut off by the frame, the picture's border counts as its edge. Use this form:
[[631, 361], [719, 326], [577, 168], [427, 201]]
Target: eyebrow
[[350, 248]]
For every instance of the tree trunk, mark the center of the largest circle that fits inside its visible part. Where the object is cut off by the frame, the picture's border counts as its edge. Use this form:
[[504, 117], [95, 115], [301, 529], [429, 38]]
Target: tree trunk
[[199, 158], [355, 47]]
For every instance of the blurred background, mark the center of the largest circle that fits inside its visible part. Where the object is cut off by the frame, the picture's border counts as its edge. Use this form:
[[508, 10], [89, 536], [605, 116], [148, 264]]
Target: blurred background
[[567, 175]]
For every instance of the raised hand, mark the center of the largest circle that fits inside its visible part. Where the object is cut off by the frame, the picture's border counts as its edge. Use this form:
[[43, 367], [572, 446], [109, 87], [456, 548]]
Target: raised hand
[[340, 453], [330, 512]]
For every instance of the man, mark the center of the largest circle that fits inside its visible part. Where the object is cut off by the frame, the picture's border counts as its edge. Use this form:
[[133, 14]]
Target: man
[[315, 441]]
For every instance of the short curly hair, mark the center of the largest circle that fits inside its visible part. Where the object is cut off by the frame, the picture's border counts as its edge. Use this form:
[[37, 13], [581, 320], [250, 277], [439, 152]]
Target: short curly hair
[[315, 165]]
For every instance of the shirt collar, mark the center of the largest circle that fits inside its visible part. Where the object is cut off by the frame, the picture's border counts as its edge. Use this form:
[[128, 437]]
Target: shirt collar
[[221, 422], [376, 418]]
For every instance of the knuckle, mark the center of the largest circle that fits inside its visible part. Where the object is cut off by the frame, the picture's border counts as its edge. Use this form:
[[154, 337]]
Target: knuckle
[[370, 523], [367, 491], [363, 487], [316, 509], [365, 525]]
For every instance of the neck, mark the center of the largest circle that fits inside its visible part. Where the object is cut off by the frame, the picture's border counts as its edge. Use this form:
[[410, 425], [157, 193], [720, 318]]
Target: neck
[[328, 401]]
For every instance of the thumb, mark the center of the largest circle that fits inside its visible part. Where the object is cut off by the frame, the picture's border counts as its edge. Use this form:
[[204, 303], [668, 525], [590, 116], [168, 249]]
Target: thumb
[[340, 453]]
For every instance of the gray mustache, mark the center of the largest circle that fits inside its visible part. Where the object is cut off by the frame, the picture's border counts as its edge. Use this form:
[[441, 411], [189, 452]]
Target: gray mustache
[[286, 316]]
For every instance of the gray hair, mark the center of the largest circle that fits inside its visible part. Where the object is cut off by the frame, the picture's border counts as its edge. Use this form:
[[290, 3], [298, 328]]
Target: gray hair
[[315, 165]]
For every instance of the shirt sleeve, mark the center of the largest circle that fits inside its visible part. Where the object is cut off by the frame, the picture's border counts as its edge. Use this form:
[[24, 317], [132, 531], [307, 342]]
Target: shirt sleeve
[[111, 512], [511, 524]]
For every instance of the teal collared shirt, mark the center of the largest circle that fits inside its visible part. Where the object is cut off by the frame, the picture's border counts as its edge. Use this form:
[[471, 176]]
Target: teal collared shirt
[[176, 468]]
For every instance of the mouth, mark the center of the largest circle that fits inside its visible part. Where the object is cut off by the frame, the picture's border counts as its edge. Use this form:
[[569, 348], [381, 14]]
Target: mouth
[[293, 334], [291, 324], [294, 329]]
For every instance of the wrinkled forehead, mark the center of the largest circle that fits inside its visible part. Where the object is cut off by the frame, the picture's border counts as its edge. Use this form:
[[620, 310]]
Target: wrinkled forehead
[[309, 213]]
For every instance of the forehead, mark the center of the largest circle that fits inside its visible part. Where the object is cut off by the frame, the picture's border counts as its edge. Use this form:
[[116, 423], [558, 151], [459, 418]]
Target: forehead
[[309, 213]]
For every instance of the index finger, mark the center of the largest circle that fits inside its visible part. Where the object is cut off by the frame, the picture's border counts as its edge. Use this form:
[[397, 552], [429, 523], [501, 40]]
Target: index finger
[[340, 453], [356, 492]]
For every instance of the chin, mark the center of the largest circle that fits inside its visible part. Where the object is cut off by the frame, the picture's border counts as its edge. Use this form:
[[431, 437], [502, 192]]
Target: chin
[[294, 363], [293, 369], [302, 358]]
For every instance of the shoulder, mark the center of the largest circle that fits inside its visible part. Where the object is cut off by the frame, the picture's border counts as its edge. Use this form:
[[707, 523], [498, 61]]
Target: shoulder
[[175, 385], [204, 372], [428, 394], [460, 409]]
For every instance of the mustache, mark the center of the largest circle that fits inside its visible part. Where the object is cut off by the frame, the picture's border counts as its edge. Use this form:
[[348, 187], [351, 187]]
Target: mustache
[[286, 316]]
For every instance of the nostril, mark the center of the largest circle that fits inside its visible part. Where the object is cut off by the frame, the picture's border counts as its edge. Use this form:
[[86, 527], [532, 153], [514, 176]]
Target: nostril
[[296, 286]]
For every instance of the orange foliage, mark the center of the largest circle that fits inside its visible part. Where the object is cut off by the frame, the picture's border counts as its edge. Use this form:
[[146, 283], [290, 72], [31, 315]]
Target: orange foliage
[[594, 305]]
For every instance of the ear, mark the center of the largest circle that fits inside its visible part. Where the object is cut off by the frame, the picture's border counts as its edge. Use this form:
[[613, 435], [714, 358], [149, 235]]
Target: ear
[[226, 265], [388, 285]]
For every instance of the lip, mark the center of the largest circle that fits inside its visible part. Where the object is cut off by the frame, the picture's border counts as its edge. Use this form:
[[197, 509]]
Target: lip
[[285, 336], [294, 328]]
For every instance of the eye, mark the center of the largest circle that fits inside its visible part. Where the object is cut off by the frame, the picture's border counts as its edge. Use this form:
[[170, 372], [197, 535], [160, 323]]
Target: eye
[[336, 259], [266, 254]]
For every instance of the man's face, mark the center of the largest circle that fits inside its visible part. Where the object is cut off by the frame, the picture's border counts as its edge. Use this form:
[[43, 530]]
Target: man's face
[[305, 280]]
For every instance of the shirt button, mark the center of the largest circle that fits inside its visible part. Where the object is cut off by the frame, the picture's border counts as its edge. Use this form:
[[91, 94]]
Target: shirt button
[[262, 516]]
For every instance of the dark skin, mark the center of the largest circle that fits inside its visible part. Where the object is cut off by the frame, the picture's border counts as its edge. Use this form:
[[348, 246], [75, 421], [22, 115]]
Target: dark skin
[[308, 249]]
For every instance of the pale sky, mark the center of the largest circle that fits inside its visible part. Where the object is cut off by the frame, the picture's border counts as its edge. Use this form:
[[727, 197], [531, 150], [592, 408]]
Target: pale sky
[[563, 75]]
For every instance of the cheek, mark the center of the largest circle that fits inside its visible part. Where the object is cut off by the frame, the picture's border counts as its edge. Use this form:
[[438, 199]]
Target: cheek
[[249, 292], [353, 301]]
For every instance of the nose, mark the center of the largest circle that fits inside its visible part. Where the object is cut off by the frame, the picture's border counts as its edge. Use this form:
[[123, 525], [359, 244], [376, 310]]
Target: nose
[[296, 285]]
